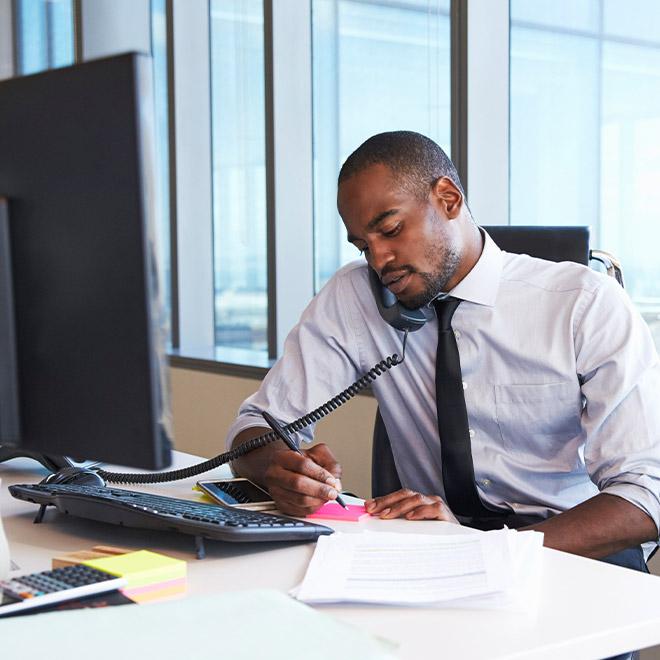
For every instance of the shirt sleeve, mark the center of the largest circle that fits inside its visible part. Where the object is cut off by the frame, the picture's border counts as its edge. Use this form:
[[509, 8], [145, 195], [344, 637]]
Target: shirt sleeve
[[319, 360], [620, 374]]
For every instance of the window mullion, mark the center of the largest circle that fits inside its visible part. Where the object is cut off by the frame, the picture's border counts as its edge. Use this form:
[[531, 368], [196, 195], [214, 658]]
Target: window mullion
[[290, 196], [191, 166], [7, 39], [459, 89], [488, 111], [110, 27]]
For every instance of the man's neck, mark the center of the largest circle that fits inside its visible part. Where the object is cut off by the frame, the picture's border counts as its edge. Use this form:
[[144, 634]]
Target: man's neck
[[473, 247]]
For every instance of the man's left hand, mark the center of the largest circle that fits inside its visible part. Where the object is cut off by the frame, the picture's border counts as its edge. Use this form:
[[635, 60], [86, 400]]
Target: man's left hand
[[408, 504]]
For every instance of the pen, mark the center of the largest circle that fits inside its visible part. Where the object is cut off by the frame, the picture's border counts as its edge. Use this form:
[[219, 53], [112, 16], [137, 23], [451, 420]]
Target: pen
[[286, 438]]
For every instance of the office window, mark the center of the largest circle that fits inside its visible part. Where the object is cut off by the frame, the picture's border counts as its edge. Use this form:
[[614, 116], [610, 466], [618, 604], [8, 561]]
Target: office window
[[377, 66], [159, 54], [44, 30], [585, 129], [239, 173]]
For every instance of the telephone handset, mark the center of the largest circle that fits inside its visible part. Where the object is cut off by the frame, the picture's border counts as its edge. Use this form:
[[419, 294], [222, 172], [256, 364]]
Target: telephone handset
[[392, 311]]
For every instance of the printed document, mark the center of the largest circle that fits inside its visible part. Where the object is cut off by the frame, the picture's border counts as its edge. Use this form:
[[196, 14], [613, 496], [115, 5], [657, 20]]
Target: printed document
[[460, 570]]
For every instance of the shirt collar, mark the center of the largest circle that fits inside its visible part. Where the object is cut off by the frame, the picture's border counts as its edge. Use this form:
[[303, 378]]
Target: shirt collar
[[481, 284]]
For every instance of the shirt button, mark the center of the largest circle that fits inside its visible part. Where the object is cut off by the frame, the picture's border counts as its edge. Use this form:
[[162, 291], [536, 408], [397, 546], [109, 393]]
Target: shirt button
[[464, 385], [457, 334], [485, 482], [471, 433]]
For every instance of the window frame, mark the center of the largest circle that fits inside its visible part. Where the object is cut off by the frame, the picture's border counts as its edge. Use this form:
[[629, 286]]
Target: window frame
[[103, 27], [7, 40], [480, 146], [290, 202]]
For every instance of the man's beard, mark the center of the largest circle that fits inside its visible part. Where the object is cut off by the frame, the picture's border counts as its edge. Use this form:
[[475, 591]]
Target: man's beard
[[448, 259]]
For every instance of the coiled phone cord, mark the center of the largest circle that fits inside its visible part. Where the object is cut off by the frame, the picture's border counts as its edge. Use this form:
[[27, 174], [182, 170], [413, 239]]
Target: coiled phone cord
[[262, 440]]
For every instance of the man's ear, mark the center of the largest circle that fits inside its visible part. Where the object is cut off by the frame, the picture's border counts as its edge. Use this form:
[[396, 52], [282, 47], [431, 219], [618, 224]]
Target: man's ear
[[448, 196]]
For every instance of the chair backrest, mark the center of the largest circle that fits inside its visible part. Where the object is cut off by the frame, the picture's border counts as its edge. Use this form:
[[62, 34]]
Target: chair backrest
[[551, 243]]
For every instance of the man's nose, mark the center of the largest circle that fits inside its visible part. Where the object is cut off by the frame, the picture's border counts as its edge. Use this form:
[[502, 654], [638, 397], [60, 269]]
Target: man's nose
[[381, 255]]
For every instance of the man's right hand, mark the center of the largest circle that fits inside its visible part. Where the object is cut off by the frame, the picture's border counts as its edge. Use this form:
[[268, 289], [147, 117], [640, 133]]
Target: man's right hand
[[299, 485]]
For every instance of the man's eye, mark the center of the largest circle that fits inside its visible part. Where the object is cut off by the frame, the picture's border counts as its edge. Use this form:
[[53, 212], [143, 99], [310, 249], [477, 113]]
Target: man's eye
[[392, 232]]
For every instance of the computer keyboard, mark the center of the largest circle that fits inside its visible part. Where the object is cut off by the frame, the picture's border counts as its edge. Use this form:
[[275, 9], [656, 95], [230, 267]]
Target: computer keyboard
[[143, 510]]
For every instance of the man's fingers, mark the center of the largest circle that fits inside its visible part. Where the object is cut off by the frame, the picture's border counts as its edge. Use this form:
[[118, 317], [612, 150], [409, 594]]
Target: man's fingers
[[294, 504], [322, 455], [300, 477], [429, 512], [302, 464], [297, 482], [379, 504], [407, 504]]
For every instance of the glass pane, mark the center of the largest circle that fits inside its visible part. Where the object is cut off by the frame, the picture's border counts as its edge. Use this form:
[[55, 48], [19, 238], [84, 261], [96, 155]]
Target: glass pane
[[554, 129], [239, 173], [567, 14], [159, 53], [377, 66], [635, 19], [45, 34], [585, 136], [630, 167]]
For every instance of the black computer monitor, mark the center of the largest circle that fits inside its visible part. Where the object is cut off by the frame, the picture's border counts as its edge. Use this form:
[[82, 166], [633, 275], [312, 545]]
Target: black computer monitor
[[81, 339]]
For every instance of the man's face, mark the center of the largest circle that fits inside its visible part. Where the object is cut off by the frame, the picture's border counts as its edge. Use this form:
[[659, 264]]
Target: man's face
[[410, 244]]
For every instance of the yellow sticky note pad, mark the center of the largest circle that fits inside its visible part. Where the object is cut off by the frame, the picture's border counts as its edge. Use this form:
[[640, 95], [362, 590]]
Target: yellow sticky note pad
[[142, 567]]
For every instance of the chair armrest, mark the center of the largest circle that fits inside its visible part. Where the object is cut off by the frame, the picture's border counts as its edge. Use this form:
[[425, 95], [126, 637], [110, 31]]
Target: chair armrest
[[611, 263]]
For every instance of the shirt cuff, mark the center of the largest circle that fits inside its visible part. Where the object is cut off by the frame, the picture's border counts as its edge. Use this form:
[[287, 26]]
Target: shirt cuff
[[639, 494]]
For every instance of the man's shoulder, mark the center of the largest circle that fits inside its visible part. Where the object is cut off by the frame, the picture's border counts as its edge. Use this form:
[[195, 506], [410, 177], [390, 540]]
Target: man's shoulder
[[551, 276], [355, 268], [345, 292], [352, 276]]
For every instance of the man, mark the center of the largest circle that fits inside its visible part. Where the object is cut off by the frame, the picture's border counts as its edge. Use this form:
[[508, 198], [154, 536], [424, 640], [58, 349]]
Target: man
[[560, 375]]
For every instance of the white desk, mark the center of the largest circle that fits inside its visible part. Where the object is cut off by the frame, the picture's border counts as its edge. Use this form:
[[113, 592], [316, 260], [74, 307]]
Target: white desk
[[587, 609]]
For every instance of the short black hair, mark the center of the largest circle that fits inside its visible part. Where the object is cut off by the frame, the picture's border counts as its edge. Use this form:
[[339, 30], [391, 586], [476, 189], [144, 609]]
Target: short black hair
[[417, 161]]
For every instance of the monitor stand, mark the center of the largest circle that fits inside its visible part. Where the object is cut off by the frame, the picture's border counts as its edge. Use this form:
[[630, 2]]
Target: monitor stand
[[52, 463]]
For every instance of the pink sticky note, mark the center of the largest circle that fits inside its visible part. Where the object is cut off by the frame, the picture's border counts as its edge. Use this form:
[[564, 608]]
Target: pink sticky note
[[334, 511]]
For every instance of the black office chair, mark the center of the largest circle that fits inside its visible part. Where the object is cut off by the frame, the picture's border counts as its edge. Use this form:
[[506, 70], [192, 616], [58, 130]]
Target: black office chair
[[551, 243], [554, 244]]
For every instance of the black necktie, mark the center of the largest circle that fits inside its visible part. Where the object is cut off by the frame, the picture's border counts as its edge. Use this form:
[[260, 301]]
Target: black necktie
[[457, 468]]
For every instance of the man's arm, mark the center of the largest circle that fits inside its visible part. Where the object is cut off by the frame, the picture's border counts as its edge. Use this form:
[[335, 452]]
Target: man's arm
[[619, 374], [599, 527], [299, 485]]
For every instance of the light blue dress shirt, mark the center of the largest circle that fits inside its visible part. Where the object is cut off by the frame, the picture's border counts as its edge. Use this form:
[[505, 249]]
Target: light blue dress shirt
[[561, 381]]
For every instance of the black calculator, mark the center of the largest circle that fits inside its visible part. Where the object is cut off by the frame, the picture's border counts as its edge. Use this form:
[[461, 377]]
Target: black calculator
[[48, 587]]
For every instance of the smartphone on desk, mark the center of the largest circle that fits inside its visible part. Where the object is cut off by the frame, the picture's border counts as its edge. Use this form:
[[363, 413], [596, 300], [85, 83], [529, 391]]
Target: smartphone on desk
[[239, 493]]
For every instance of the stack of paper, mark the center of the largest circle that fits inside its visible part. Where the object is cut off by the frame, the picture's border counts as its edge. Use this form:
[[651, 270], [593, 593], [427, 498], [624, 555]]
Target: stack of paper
[[486, 570], [150, 576]]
